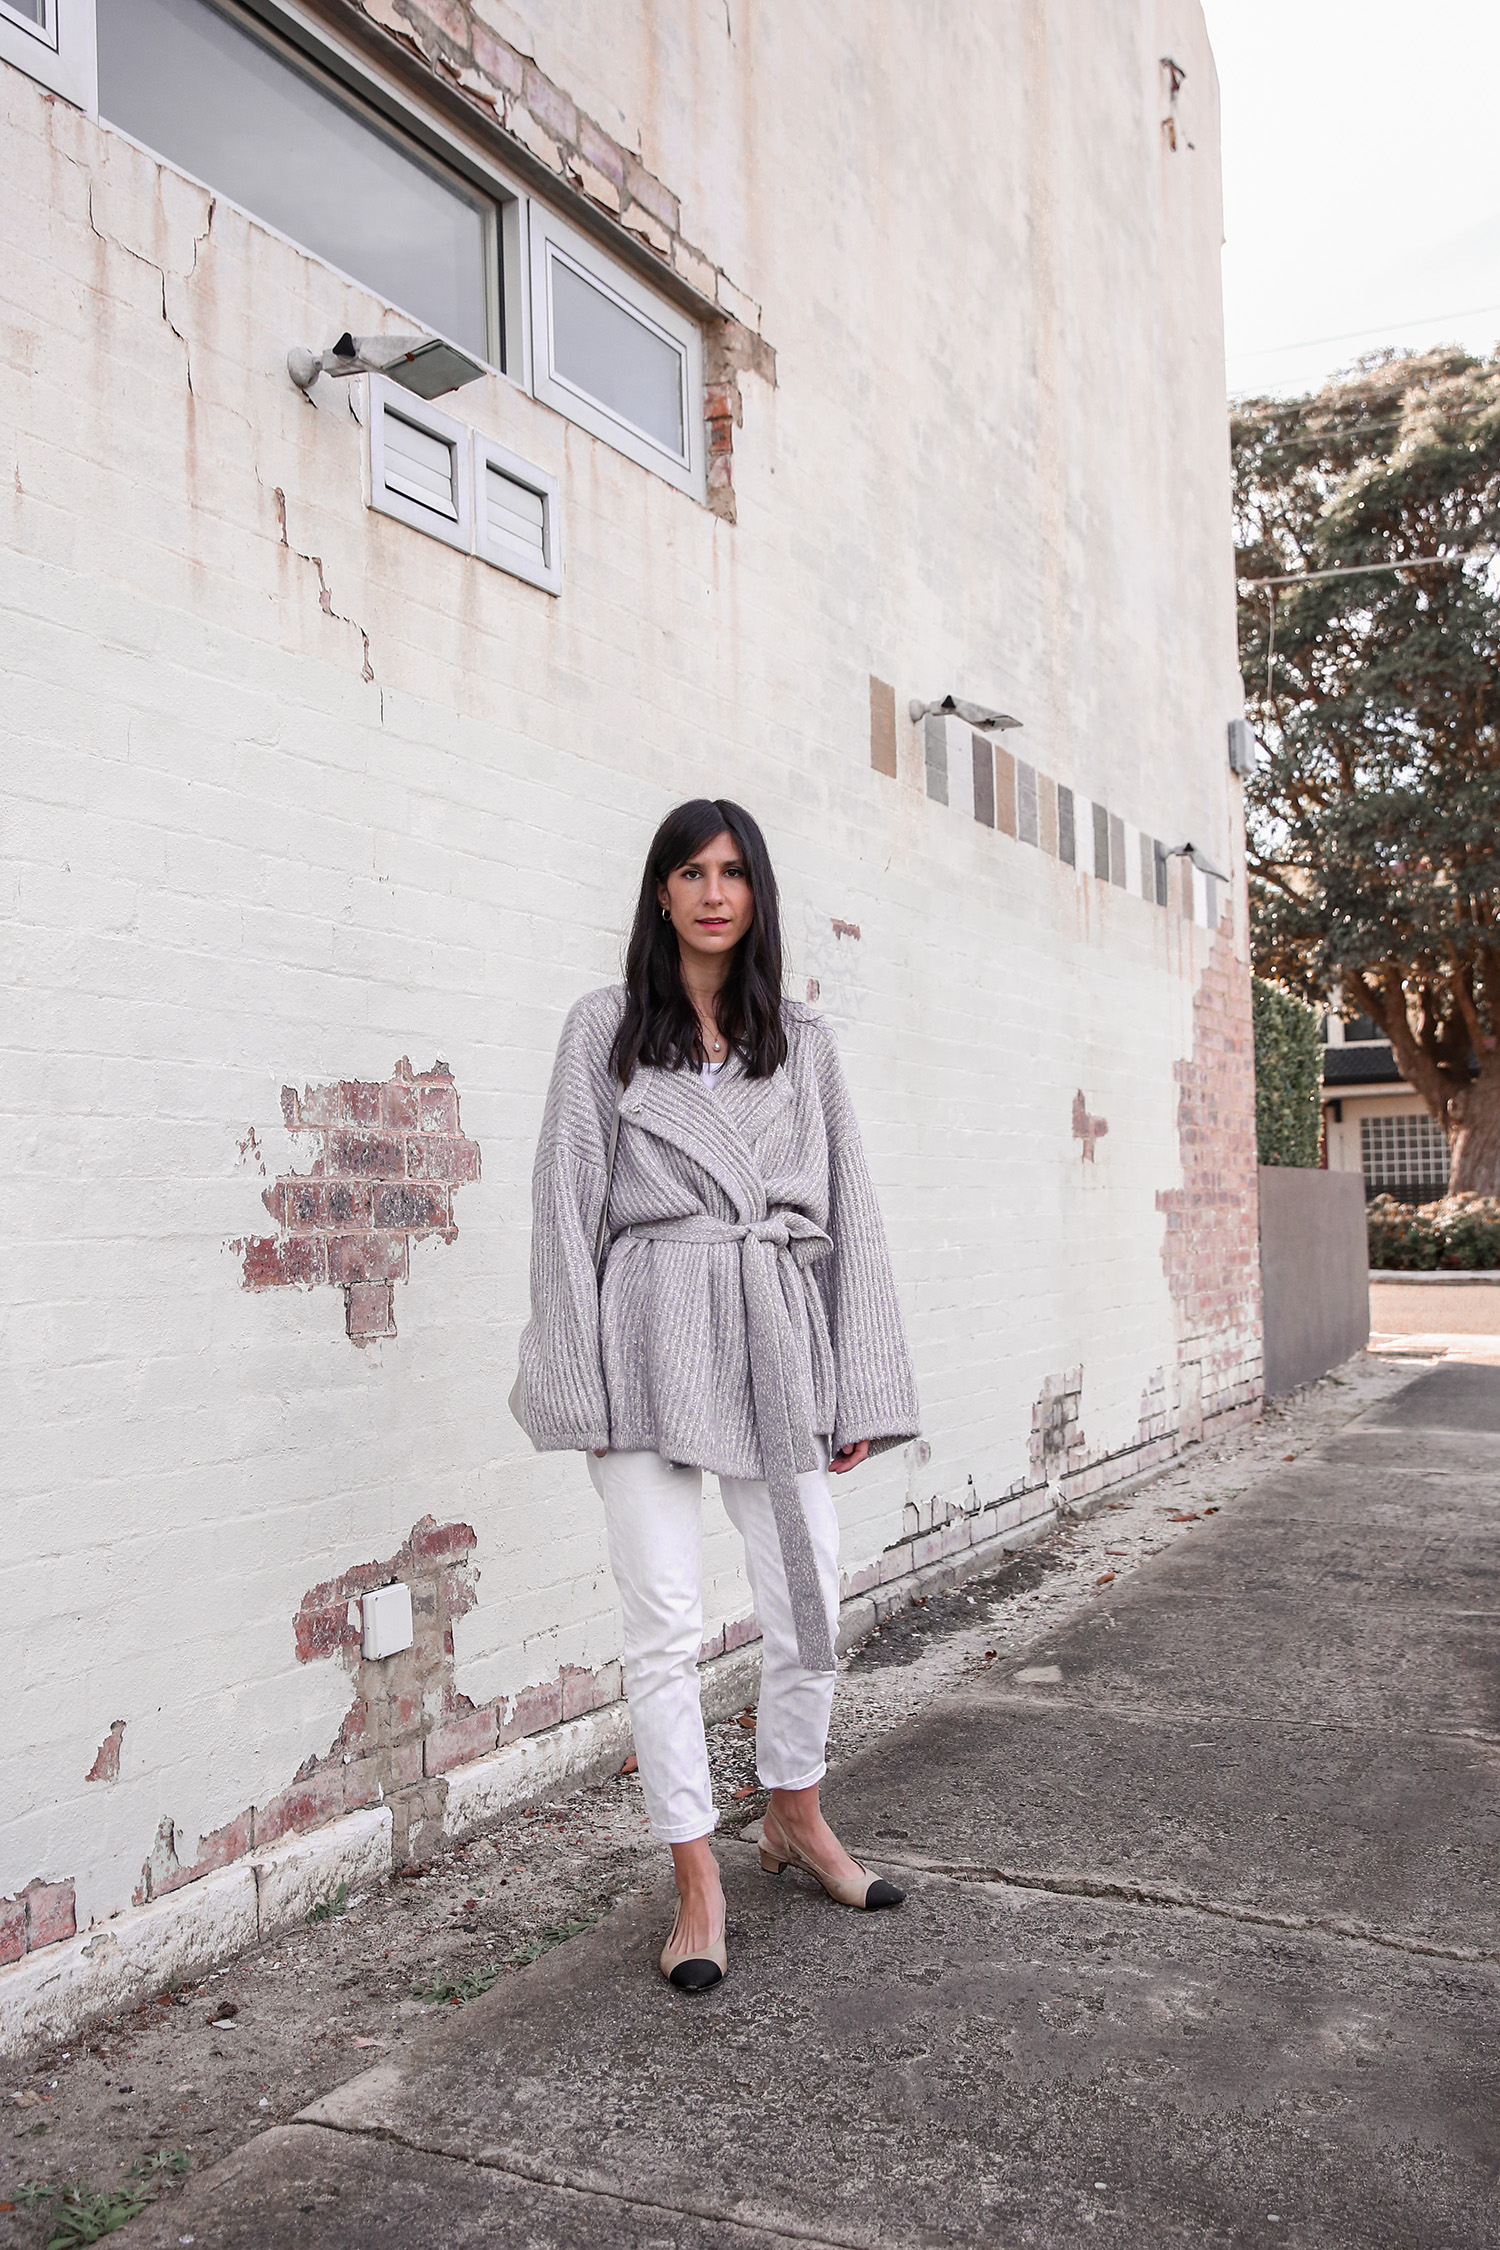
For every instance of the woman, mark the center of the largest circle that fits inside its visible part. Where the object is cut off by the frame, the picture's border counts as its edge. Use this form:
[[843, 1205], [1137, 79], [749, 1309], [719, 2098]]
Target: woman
[[699, 1152]]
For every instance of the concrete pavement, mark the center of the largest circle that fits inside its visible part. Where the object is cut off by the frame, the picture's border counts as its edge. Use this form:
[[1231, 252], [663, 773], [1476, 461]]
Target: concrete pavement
[[1202, 1944]]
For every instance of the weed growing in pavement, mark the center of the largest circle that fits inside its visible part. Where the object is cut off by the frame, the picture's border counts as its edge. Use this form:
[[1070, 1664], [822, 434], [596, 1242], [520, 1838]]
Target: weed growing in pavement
[[549, 1938], [83, 2215], [445, 1990], [327, 1908], [163, 2165]]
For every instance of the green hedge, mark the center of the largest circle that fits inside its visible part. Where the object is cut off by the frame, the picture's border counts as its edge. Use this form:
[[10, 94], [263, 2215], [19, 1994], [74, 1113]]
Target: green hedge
[[1461, 1232], [1288, 1077]]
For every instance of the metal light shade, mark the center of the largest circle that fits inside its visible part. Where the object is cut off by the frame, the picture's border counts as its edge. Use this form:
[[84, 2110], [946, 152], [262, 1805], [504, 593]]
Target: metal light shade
[[426, 365]]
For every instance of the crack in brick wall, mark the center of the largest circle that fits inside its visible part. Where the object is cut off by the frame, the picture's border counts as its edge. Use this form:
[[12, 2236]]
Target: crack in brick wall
[[388, 1159]]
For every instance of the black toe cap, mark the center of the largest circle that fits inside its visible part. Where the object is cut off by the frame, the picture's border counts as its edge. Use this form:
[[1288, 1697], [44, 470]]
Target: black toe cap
[[699, 1976], [882, 1893]]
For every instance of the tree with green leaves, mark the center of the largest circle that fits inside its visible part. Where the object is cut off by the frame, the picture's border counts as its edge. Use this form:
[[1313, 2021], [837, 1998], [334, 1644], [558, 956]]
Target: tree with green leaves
[[1374, 822]]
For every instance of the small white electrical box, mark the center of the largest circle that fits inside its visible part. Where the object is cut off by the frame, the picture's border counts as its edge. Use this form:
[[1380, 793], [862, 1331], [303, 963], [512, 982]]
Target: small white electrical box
[[1244, 749], [386, 1616]]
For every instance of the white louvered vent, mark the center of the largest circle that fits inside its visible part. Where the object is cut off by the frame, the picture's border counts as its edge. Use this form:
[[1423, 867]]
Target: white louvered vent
[[420, 464], [516, 516]]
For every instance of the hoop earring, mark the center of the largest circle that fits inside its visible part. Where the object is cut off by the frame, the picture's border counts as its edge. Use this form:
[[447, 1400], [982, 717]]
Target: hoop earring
[[666, 914]]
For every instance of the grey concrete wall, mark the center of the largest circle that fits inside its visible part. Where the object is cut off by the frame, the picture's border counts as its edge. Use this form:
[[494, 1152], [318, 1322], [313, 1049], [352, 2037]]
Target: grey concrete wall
[[1314, 1272]]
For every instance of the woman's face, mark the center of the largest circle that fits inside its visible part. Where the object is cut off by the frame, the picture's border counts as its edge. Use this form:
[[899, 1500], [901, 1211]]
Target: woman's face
[[709, 899]]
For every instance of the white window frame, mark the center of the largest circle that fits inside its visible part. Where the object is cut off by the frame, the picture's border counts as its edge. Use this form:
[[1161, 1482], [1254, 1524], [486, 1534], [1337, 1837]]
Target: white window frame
[[60, 53], [63, 56], [488, 453], [384, 396], [551, 238]]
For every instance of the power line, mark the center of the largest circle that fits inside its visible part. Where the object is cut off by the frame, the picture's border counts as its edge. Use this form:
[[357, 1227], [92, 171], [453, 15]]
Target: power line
[[1344, 570], [1354, 427], [1352, 335], [1362, 570]]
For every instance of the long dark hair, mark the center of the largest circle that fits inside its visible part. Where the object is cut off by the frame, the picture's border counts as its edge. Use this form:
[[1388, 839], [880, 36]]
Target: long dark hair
[[660, 1025]]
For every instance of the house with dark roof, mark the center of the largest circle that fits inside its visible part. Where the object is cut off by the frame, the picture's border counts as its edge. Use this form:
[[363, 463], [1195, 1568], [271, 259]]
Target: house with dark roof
[[1374, 1121]]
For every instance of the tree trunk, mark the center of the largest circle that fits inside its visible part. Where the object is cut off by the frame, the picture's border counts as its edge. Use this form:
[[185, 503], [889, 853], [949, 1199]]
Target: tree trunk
[[1475, 1165]]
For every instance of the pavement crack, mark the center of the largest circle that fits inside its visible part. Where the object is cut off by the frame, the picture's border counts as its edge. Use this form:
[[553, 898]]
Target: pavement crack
[[776, 2230], [1214, 1714], [1189, 1902]]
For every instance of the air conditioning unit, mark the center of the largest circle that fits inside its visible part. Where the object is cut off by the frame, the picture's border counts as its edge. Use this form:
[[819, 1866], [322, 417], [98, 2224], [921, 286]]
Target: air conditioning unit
[[1244, 750]]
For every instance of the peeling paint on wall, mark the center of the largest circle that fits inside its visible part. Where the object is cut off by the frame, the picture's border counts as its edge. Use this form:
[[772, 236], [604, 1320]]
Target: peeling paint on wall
[[1211, 1248], [389, 1159], [42, 1914], [1085, 1128], [106, 1765]]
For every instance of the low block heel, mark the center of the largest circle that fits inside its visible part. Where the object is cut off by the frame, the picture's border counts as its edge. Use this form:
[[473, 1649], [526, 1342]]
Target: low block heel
[[864, 1890]]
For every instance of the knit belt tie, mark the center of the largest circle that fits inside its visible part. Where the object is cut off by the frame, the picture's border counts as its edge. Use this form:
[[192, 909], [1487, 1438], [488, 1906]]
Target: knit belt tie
[[772, 1342]]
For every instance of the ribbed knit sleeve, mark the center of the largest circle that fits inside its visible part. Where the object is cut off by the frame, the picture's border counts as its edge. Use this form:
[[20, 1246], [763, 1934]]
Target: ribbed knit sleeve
[[877, 1390], [563, 1404]]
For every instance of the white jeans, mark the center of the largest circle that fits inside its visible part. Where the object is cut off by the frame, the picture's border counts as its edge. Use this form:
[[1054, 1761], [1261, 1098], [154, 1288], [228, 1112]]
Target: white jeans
[[652, 1513]]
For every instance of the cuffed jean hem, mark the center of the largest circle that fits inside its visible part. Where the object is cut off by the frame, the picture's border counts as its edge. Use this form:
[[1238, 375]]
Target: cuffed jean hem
[[689, 1836], [808, 1781]]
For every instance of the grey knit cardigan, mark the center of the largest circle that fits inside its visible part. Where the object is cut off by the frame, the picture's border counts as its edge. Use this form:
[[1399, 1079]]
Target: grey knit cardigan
[[747, 1305]]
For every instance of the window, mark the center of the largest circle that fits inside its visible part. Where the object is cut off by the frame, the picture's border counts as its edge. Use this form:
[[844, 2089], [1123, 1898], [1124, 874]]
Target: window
[[52, 40], [289, 126], [241, 112], [608, 353], [1406, 1150]]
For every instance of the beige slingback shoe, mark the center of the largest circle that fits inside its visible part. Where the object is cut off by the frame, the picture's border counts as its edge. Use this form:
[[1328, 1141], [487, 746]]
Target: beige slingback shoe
[[694, 1971], [865, 1891]]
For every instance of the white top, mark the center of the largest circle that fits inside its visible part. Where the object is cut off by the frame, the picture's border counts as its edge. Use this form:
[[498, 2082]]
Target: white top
[[710, 1070]]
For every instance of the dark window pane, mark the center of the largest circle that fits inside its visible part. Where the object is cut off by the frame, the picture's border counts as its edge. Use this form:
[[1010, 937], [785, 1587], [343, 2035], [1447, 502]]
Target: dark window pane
[[614, 358], [214, 99]]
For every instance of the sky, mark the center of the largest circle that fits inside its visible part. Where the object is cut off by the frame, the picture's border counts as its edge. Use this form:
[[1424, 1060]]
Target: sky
[[1361, 188]]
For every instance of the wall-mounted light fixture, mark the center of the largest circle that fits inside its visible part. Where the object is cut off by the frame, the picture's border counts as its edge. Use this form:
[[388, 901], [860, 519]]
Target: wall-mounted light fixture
[[1200, 860], [423, 364], [953, 706]]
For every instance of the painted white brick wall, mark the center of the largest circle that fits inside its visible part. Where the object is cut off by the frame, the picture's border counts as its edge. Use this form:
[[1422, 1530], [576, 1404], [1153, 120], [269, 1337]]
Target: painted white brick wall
[[234, 860]]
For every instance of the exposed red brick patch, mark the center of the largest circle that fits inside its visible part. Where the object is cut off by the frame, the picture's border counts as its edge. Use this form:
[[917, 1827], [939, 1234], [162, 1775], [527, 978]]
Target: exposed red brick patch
[[12, 1929], [386, 1163], [106, 1765], [459, 1741], [306, 1804], [49, 1913], [534, 1709], [164, 1871], [1211, 1250], [1085, 1128], [324, 1623]]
